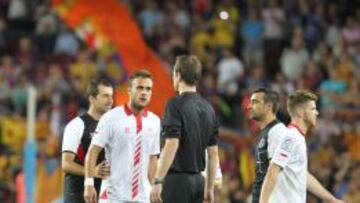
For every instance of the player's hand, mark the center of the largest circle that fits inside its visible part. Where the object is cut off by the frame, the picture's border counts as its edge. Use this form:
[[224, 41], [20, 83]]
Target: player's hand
[[336, 201], [209, 195], [155, 195], [90, 195], [102, 170]]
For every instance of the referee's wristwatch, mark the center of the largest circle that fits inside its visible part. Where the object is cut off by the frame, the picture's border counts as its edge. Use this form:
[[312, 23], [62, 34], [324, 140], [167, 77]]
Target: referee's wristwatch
[[158, 181]]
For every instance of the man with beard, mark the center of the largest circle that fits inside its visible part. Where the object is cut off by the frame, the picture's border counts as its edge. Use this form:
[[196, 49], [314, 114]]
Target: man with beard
[[264, 104], [130, 136], [77, 137], [288, 178]]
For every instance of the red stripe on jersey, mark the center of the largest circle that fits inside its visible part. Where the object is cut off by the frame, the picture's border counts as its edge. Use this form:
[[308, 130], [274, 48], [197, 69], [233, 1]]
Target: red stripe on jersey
[[81, 153], [104, 195]]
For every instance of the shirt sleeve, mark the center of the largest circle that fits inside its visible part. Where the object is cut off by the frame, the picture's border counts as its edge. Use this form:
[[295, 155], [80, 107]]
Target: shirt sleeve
[[172, 121], [103, 131], [275, 135], [215, 133], [155, 148], [284, 152], [72, 135]]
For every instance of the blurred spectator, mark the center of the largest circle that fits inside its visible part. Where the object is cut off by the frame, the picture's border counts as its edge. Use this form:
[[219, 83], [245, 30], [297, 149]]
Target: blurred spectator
[[252, 31], [17, 10], [314, 26], [273, 17], [331, 90], [351, 33], [66, 42], [293, 59], [150, 16], [230, 69], [224, 21], [84, 69], [19, 94], [2, 35]]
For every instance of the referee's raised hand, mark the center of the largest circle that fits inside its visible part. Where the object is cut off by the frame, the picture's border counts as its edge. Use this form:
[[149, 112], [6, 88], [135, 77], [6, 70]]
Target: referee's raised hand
[[102, 170]]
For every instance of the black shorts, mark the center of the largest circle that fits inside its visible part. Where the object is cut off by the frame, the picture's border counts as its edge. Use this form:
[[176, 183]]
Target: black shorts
[[183, 188]]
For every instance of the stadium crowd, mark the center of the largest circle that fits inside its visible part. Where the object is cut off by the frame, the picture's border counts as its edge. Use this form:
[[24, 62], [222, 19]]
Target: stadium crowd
[[244, 44]]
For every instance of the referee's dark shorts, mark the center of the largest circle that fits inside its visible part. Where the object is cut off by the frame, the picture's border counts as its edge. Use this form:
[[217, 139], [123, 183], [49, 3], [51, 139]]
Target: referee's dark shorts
[[182, 187]]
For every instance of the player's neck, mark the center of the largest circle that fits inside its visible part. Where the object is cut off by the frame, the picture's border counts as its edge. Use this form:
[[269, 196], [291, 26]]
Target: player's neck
[[183, 87], [268, 119], [299, 123], [133, 109], [94, 114]]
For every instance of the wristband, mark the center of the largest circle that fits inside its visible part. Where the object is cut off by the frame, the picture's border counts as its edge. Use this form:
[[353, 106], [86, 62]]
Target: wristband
[[89, 182], [158, 181]]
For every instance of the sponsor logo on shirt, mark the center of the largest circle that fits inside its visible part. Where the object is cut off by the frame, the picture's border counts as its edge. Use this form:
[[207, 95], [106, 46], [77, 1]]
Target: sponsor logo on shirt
[[127, 130], [261, 143]]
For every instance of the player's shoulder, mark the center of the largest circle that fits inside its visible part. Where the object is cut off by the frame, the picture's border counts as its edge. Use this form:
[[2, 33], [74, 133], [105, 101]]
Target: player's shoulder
[[152, 116], [278, 128], [293, 134], [114, 112], [75, 122], [173, 100]]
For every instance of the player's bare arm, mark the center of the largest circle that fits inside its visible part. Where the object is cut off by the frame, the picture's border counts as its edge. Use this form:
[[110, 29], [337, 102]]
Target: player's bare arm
[[90, 195], [314, 186], [152, 167], [69, 165], [211, 172], [166, 159], [269, 182]]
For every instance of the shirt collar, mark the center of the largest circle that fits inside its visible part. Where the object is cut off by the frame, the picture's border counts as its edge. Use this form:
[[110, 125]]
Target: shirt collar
[[292, 125], [129, 112]]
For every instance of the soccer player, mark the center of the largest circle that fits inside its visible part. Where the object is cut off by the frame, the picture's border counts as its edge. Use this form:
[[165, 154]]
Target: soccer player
[[130, 135], [264, 104], [190, 127], [288, 178], [77, 137]]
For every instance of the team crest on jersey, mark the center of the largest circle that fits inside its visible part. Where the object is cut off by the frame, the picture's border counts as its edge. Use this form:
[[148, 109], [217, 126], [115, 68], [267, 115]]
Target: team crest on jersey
[[261, 143], [287, 145]]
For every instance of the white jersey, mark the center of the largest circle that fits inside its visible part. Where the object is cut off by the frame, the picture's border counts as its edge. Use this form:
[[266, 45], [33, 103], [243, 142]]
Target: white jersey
[[120, 132], [72, 135], [274, 137], [291, 156]]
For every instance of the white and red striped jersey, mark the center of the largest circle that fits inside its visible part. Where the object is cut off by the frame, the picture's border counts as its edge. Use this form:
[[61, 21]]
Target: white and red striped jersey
[[128, 140], [291, 156]]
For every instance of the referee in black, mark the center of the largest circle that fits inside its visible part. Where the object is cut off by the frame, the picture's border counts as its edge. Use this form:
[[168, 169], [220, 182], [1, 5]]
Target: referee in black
[[77, 138], [264, 104], [189, 128]]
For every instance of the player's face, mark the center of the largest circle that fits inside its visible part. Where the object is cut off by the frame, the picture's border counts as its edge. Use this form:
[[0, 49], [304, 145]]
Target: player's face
[[140, 92], [310, 114], [104, 99], [257, 106]]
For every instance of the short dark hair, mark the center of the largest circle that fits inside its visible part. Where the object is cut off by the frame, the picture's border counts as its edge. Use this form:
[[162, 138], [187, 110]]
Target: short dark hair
[[189, 68], [299, 98], [93, 90], [140, 74], [270, 96]]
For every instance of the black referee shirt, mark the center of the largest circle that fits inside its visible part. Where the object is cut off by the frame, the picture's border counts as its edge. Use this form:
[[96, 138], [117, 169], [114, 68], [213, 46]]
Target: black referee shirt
[[192, 120]]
